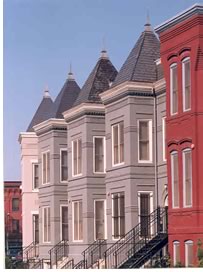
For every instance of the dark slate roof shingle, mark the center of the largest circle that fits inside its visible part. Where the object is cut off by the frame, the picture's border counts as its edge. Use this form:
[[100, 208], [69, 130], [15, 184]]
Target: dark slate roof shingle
[[67, 96], [44, 112], [99, 80], [140, 64]]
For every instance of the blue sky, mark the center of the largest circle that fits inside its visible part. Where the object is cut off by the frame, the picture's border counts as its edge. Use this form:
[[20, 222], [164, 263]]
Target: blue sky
[[42, 37]]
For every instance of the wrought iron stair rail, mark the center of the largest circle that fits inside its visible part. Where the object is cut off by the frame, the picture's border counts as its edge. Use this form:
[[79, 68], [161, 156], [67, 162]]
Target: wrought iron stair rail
[[68, 265], [94, 253], [81, 265], [35, 264], [58, 252], [136, 238], [31, 251]]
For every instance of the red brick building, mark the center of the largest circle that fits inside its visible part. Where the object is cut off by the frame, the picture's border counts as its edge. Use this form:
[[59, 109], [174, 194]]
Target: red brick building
[[182, 58], [13, 216]]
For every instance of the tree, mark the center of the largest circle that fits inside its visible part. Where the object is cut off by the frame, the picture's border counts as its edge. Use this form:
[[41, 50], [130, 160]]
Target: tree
[[200, 253]]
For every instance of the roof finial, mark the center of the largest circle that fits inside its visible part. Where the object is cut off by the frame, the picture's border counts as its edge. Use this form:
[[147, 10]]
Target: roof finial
[[46, 92], [70, 74], [148, 25], [104, 52]]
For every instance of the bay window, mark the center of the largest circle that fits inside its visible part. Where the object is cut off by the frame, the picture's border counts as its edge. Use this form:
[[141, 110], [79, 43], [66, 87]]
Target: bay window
[[99, 151], [63, 165], [77, 157], [118, 143]]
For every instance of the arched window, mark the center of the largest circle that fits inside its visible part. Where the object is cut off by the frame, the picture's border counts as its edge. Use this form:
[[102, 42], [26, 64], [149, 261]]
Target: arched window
[[174, 88], [187, 178], [175, 179], [176, 252], [188, 253], [186, 83]]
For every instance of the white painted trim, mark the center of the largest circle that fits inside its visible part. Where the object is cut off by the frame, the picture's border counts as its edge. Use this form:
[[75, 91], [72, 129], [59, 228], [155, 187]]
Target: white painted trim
[[43, 208], [187, 243], [173, 65], [79, 174], [61, 206], [174, 251], [150, 140], [112, 144], [45, 152], [164, 137], [62, 149], [105, 219], [184, 61], [78, 221], [104, 151], [172, 180], [49, 123], [186, 150], [34, 212]]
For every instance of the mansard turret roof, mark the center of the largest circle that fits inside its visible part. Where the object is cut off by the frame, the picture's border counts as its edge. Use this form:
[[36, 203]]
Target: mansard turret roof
[[99, 80], [140, 64], [44, 111]]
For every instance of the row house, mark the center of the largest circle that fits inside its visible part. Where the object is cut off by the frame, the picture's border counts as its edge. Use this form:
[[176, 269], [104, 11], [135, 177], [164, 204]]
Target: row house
[[96, 162]]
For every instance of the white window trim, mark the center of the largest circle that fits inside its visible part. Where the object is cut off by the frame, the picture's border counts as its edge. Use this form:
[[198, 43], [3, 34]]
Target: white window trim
[[61, 206], [43, 208], [184, 187], [112, 203], [172, 181], [151, 204], [150, 140], [33, 230], [112, 133], [73, 220], [183, 83], [33, 164], [171, 90], [80, 174], [189, 242], [105, 219], [174, 252], [45, 152], [62, 149], [164, 137], [104, 150]]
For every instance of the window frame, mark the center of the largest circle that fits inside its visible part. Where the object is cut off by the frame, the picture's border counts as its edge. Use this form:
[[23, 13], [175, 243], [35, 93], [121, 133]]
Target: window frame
[[172, 179], [112, 215], [187, 243], [73, 219], [112, 138], [173, 65], [105, 219], [46, 152], [184, 181], [164, 137], [104, 152], [43, 234], [61, 207], [62, 150], [150, 140], [174, 252], [78, 174], [16, 210], [184, 61]]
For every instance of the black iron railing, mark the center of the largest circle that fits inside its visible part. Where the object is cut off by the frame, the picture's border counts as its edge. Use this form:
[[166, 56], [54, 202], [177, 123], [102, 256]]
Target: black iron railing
[[81, 265], [136, 238], [35, 264], [94, 253], [58, 252], [68, 265], [31, 251]]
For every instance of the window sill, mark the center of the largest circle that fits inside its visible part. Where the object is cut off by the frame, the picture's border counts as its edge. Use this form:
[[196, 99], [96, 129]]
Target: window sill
[[118, 164], [145, 162], [35, 190], [76, 176]]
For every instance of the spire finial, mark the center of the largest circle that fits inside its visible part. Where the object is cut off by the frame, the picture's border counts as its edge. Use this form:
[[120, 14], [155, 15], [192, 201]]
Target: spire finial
[[104, 52], [148, 25], [46, 91], [70, 74]]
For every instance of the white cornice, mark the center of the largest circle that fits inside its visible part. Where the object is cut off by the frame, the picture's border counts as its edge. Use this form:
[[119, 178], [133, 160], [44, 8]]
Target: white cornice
[[82, 108], [26, 135], [49, 123]]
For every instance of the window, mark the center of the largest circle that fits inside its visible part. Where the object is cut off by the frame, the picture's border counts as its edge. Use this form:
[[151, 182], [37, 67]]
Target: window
[[164, 137], [186, 77], [174, 88], [77, 157], [45, 167], [64, 223], [187, 178], [15, 204], [118, 143], [175, 179], [35, 220], [145, 204], [145, 141], [188, 253], [77, 221], [63, 165], [118, 215], [46, 225], [176, 252], [15, 226], [99, 160], [99, 219], [35, 176]]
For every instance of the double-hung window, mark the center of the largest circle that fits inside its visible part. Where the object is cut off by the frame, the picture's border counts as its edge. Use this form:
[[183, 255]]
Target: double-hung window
[[189, 253], [35, 222], [118, 143], [46, 224], [99, 154], [77, 221], [118, 215], [186, 84], [145, 141], [15, 204], [63, 165], [164, 137], [175, 179], [64, 222], [35, 176], [46, 167], [99, 219], [174, 88], [77, 157], [187, 178], [176, 252]]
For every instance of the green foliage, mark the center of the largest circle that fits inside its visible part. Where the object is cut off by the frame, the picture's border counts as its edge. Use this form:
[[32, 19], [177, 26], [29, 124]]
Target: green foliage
[[200, 253], [179, 264], [8, 263]]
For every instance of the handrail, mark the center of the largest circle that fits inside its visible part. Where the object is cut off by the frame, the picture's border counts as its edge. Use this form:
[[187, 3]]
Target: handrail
[[81, 265], [57, 252], [68, 265], [31, 251]]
